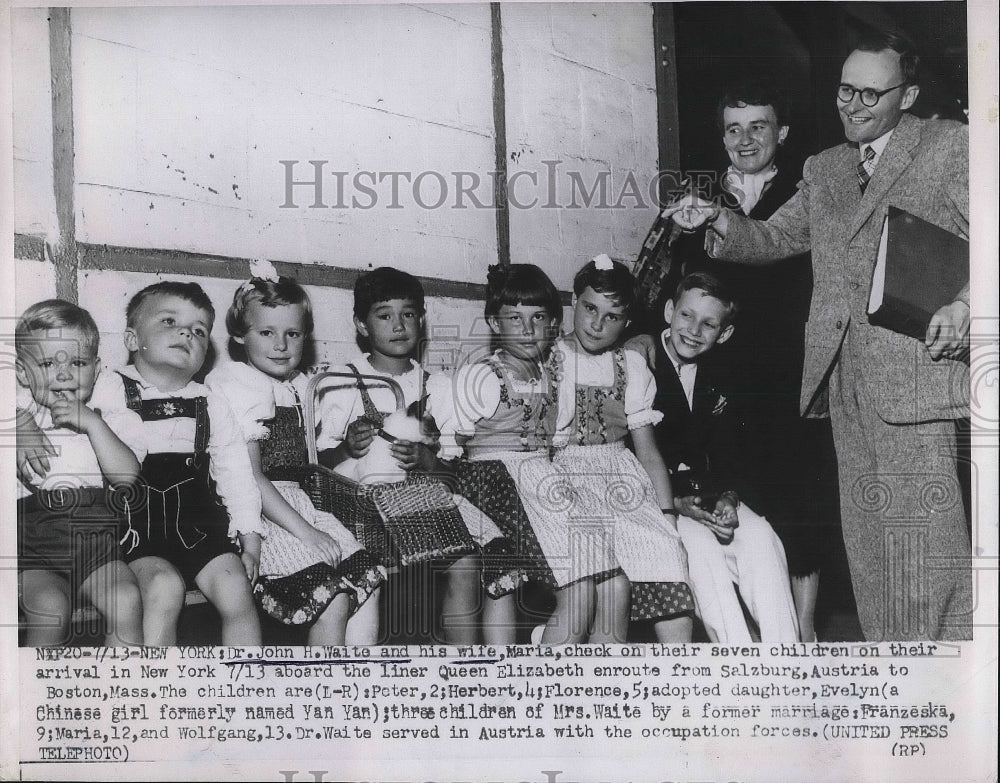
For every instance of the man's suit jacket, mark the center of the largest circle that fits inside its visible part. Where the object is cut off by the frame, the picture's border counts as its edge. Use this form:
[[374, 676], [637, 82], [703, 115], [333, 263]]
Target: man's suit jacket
[[705, 437], [924, 170]]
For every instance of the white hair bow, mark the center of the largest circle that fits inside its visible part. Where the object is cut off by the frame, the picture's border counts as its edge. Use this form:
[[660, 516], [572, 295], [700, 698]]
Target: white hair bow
[[603, 262], [262, 269]]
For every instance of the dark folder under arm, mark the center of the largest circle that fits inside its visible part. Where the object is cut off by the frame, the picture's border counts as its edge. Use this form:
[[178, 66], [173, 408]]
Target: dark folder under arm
[[921, 267]]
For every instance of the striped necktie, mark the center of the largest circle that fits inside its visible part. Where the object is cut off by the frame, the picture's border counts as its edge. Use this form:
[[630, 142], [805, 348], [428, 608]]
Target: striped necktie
[[864, 174]]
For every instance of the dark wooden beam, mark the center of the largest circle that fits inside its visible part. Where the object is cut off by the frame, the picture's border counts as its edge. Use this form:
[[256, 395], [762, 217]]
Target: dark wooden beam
[[29, 247], [61, 66], [500, 136], [667, 114], [179, 262]]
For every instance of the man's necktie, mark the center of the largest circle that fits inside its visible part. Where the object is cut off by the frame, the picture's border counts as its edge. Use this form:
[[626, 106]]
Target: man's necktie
[[864, 175]]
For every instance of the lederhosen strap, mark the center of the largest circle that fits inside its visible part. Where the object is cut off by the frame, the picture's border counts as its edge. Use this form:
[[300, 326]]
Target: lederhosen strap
[[378, 418], [171, 408]]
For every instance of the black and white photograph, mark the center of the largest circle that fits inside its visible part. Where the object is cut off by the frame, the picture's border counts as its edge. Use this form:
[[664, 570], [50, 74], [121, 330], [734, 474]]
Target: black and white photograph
[[508, 391]]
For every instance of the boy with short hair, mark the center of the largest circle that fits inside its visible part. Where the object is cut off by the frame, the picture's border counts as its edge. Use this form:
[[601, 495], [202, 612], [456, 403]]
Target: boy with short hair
[[69, 509], [389, 318], [726, 541], [195, 458]]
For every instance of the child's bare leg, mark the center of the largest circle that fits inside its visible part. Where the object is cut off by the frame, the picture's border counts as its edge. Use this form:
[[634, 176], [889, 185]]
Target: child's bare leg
[[114, 591], [805, 590], [162, 590], [362, 626], [614, 600], [500, 620], [331, 626], [674, 629], [460, 602], [224, 583], [45, 598], [570, 622]]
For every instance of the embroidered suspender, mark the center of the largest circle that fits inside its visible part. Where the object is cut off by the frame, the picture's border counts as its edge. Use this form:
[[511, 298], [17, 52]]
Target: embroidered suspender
[[373, 414], [171, 408]]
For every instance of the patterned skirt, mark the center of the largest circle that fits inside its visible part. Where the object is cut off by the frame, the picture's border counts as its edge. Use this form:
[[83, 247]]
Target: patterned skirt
[[614, 518], [513, 557], [296, 586]]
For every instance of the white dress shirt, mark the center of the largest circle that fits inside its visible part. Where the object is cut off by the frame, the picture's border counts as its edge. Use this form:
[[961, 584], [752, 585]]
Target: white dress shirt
[[879, 146], [687, 372]]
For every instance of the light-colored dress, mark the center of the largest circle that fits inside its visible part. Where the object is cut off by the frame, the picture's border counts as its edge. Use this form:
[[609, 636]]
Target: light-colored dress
[[500, 429], [616, 515], [295, 584]]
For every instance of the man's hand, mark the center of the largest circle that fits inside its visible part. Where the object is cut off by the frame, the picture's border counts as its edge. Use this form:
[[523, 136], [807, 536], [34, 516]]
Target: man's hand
[[948, 332], [691, 211], [414, 456], [33, 449], [69, 411], [360, 434], [328, 548]]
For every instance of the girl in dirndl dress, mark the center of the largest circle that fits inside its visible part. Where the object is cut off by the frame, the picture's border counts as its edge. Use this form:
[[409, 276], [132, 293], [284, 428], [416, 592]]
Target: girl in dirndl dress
[[622, 501], [496, 414], [312, 571]]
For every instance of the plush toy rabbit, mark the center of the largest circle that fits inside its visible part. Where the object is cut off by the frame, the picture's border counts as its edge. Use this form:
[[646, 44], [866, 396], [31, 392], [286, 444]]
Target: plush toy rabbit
[[378, 466]]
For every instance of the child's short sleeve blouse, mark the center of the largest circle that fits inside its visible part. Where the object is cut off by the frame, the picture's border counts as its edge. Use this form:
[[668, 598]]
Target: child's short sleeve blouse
[[583, 369], [457, 402], [640, 392]]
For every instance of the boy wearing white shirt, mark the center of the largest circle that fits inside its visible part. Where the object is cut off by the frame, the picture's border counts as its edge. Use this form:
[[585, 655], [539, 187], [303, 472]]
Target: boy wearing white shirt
[[69, 508], [196, 470]]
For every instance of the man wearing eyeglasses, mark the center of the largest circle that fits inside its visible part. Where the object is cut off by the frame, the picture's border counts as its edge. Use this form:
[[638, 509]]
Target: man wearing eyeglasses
[[892, 400]]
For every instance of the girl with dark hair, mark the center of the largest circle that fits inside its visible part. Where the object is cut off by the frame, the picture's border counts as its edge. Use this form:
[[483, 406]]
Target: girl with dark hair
[[497, 422], [624, 549]]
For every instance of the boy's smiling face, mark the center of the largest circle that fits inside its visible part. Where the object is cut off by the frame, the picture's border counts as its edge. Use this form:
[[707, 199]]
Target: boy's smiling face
[[169, 334], [393, 328], [697, 323], [58, 365]]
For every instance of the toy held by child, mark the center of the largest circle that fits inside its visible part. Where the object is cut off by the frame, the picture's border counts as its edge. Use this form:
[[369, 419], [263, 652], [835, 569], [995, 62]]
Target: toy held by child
[[195, 471], [312, 569], [379, 464], [76, 488]]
